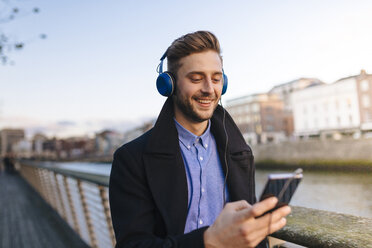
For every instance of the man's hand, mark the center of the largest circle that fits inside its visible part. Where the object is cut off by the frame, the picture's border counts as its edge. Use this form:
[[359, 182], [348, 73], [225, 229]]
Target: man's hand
[[239, 224]]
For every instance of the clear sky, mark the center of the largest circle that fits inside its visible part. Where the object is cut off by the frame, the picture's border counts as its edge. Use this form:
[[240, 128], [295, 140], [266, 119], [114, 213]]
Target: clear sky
[[97, 68]]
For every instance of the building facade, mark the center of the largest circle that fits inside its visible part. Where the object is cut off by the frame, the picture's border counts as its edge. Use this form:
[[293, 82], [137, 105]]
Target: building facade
[[260, 117], [341, 108], [364, 88], [8, 140], [284, 91]]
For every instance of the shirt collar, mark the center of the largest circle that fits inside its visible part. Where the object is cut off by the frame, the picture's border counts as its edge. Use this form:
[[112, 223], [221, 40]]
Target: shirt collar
[[188, 139]]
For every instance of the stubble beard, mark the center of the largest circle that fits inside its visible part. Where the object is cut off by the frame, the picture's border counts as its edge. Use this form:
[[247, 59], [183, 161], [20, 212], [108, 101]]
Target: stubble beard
[[188, 109]]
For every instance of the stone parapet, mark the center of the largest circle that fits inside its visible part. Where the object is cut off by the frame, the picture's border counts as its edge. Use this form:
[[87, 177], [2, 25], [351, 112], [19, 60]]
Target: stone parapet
[[316, 228]]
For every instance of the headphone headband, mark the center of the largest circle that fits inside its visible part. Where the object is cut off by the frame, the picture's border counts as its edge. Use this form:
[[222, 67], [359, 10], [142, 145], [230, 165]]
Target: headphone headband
[[160, 66], [165, 82]]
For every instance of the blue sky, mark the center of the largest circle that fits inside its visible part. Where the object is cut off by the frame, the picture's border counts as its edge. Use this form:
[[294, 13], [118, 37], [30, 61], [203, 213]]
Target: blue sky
[[97, 68]]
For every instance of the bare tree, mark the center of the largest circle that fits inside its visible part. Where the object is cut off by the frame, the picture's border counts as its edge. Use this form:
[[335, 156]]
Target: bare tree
[[9, 12]]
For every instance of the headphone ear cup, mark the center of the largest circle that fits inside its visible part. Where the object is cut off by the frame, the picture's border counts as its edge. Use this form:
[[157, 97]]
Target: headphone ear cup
[[165, 84], [224, 86]]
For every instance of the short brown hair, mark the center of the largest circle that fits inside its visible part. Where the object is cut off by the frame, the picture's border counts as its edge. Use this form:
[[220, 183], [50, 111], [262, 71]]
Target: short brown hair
[[197, 42]]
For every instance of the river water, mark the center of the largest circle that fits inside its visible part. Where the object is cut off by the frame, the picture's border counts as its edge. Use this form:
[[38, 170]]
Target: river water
[[349, 193]]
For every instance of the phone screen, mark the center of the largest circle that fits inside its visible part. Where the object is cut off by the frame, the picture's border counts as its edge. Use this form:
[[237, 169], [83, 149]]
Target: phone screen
[[281, 186]]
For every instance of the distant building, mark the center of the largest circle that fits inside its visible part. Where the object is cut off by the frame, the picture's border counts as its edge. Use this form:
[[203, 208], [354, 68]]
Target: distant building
[[9, 138], [75, 147], [37, 144], [343, 107], [138, 131], [364, 88], [23, 149], [284, 91], [107, 142], [260, 117]]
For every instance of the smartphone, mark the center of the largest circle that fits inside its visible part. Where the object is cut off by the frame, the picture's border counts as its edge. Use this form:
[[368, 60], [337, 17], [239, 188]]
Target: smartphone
[[282, 186]]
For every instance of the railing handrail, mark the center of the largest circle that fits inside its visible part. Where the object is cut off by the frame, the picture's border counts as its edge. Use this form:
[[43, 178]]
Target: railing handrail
[[85, 176]]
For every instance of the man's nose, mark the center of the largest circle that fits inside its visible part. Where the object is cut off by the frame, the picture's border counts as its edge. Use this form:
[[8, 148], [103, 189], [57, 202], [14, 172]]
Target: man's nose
[[207, 86]]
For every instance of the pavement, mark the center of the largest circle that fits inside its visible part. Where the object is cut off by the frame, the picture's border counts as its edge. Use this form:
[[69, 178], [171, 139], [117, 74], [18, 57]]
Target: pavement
[[26, 220]]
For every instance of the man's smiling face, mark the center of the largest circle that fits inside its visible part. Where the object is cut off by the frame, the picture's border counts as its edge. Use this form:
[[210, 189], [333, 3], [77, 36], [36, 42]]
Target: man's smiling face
[[198, 86]]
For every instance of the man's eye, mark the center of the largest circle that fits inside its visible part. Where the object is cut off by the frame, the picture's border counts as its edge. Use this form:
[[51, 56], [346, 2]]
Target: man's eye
[[196, 79], [217, 80]]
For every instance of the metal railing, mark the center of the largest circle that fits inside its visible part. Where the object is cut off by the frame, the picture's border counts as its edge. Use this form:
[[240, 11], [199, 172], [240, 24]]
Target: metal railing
[[82, 201]]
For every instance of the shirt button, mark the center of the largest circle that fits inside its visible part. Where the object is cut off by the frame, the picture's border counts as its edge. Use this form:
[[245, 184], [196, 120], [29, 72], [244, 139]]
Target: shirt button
[[188, 147], [200, 222], [201, 158], [206, 145], [203, 190]]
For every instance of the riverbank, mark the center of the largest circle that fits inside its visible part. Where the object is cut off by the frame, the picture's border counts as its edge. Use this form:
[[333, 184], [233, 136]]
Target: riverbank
[[317, 165], [327, 155]]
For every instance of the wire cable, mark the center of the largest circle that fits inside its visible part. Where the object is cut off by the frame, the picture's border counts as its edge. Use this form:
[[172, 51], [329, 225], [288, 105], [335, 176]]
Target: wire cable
[[225, 155]]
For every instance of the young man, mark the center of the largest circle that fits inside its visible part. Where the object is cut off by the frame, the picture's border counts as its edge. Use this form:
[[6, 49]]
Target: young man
[[167, 187]]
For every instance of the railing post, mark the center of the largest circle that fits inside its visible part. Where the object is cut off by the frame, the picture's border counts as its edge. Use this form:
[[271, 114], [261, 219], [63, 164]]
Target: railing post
[[32, 177], [46, 186], [106, 209], [72, 208], [92, 236], [52, 190], [37, 182], [64, 215]]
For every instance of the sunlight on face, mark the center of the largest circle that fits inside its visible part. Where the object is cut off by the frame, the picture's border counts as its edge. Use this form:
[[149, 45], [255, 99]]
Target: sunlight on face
[[198, 87]]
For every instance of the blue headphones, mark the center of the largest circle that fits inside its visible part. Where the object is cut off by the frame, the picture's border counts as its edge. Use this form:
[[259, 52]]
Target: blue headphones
[[165, 83]]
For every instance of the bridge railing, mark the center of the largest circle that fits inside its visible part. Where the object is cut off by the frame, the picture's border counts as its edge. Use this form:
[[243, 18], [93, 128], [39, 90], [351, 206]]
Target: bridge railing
[[82, 200]]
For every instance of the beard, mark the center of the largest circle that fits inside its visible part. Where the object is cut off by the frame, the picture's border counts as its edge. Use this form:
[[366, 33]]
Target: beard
[[189, 110]]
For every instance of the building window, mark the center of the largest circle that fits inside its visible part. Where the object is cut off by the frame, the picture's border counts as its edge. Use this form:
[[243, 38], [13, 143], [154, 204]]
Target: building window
[[255, 107], [305, 110], [365, 101], [348, 103], [325, 106], [367, 116], [247, 108], [270, 128], [351, 119], [338, 121], [315, 123], [269, 118], [364, 85]]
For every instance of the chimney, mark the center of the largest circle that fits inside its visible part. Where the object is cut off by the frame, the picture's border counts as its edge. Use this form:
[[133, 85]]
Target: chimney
[[363, 72]]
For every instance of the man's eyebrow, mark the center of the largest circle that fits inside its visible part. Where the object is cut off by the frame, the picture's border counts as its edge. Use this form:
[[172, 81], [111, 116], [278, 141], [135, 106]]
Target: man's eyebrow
[[203, 73]]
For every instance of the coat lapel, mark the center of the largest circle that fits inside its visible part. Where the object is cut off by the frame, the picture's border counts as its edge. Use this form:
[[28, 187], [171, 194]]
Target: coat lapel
[[166, 172]]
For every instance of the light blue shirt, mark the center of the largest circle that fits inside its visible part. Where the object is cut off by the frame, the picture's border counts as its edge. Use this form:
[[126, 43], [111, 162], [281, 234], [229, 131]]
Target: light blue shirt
[[205, 177]]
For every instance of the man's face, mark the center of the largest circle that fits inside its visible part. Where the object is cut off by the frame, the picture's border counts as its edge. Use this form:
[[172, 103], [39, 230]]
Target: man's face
[[198, 86]]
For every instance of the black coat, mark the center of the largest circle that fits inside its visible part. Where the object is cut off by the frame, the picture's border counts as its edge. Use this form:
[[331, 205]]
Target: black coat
[[148, 185]]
